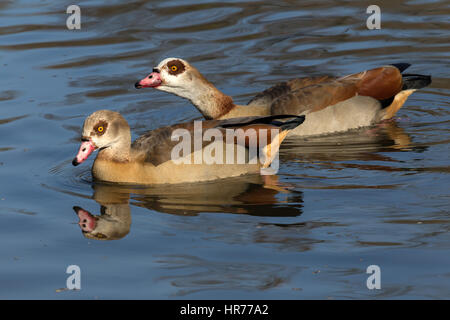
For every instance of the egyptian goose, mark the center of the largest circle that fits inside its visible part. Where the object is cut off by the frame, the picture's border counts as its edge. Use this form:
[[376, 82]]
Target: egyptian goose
[[150, 158], [331, 103]]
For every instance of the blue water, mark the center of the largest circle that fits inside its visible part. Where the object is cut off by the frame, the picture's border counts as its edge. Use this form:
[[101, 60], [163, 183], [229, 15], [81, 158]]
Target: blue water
[[377, 196]]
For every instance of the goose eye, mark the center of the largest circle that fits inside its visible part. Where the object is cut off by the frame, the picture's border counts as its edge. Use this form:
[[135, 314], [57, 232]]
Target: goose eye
[[174, 68], [100, 128]]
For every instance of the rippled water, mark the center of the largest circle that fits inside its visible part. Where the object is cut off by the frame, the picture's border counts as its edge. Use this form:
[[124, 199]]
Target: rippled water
[[338, 204]]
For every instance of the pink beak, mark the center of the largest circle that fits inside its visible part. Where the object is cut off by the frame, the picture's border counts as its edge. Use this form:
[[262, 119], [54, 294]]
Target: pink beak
[[86, 148], [153, 80], [87, 221]]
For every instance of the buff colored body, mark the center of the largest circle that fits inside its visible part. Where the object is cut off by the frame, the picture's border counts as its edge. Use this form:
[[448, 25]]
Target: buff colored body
[[148, 160]]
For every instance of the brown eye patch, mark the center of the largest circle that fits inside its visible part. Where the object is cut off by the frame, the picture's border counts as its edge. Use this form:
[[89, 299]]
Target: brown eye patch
[[100, 127], [175, 67]]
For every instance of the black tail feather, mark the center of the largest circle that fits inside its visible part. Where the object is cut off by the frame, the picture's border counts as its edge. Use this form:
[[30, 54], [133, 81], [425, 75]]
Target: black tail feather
[[412, 81], [401, 66], [415, 81], [292, 124], [273, 120]]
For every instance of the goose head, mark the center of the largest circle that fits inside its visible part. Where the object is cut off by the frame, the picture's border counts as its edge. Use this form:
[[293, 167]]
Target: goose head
[[174, 75], [103, 130]]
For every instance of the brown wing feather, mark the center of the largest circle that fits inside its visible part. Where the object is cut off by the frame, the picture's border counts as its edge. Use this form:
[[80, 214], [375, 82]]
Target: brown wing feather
[[280, 89], [315, 97], [380, 83], [156, 146]]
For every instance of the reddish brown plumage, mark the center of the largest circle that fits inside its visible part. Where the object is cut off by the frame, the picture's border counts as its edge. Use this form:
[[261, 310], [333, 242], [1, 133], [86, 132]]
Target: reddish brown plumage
[[380, 83]]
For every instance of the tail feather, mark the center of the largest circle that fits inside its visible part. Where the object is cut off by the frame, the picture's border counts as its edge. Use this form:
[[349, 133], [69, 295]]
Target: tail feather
[[292, 124], [269, 120], [401, 66], [411, 82], [415, 81]]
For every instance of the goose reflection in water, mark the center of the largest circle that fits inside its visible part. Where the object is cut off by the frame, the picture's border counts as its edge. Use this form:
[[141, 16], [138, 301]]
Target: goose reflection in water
[[252, 195], [365, 144], [114, 221]]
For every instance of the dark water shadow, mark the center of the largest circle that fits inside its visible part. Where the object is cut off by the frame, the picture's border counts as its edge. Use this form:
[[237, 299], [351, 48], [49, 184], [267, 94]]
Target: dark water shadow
[[367, 149], [251, 195], [364, 144]]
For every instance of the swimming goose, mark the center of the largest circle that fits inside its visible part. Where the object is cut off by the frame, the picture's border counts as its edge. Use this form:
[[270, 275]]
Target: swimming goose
[[331, 103], [150, 158]]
